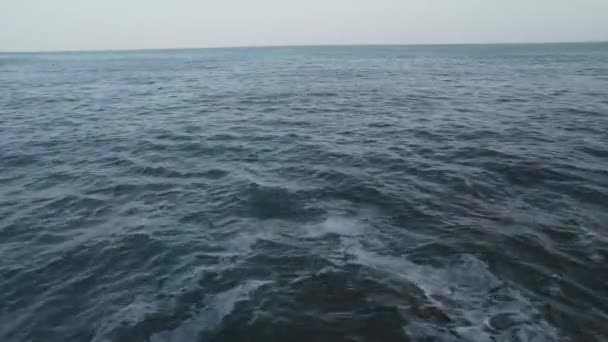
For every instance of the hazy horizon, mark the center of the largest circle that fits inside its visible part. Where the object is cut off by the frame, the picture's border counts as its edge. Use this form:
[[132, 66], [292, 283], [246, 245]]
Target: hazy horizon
[[305, 46], [70, 25]]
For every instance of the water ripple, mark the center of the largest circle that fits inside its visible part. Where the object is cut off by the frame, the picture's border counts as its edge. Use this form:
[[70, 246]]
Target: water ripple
[[327, 194]]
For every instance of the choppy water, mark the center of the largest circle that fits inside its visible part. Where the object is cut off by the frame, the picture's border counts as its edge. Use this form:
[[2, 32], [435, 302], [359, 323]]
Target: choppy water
[[305, 194]]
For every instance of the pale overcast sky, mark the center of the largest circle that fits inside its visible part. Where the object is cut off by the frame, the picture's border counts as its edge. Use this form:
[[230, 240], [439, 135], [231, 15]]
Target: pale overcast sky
[[27, 25]]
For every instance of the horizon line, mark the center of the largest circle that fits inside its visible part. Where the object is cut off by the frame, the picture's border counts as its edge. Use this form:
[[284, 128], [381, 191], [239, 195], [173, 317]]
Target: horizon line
[[298, 46]]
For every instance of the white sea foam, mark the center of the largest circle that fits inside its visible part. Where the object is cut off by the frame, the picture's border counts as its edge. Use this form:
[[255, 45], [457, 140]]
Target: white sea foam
[[463, 290], [217, 308], [220, 306], [135, 312], [342, 226]]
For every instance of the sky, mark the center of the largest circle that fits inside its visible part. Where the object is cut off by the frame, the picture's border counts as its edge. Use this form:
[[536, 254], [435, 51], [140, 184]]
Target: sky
[[47, 25]]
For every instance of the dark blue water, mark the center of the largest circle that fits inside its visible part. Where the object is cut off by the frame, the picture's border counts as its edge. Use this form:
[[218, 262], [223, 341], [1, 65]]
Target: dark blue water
[[305, 194]]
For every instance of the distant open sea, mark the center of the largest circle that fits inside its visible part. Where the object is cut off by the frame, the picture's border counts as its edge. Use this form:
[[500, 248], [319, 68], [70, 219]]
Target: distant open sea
[[305, 194]]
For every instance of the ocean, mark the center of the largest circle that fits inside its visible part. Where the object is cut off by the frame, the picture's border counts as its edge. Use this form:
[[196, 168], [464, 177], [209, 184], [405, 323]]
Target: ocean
[[364, 193]]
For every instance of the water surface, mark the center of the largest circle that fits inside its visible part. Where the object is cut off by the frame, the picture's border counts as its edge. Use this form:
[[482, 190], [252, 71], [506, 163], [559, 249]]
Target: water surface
[[448, 193]]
